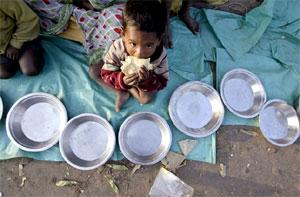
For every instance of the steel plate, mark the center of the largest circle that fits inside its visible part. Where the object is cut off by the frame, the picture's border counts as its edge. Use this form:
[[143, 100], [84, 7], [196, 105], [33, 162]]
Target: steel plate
[[279, 123], [35, 121], [242, 92], [87, 141], [145, 138], [1, 108], [196, 109]]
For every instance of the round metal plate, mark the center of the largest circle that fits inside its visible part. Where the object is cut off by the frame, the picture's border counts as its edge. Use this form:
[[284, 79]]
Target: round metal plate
[[298, 106], [242, 93], [145, 138], [87, 141], [1, 108], [196, 109], [35, 121], [279, 123]]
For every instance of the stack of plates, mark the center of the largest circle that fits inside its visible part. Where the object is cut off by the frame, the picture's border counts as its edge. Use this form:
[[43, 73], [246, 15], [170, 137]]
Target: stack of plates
[[35, 121], [145, 138], [196, 109]]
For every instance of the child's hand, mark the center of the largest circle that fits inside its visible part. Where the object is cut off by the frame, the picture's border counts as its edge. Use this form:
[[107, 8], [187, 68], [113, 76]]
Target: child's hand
[[131, 80], [12, 52], [143, 73]]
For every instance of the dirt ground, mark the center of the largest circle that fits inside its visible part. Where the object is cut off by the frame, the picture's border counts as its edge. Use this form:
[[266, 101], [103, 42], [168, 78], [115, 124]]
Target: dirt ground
[[253, 168]]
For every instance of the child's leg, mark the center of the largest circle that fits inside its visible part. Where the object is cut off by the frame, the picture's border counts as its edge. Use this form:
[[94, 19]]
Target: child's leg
[[8, 67], [141, 96], [122, 96], [31, 59], [94, 72]]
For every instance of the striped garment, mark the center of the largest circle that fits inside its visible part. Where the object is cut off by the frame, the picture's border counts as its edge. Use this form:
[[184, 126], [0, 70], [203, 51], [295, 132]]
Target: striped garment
[[112, 75]]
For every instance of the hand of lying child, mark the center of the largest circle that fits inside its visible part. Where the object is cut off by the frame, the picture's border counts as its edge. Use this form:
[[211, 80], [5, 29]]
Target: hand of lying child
[[12, 52], [143, 73], [131, 80]]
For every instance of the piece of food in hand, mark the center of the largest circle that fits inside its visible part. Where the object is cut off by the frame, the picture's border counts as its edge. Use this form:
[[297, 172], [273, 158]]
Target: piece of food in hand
[[133, 64]]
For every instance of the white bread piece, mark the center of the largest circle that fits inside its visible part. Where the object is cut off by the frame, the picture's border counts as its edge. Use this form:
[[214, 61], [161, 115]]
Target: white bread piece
[[132, 65]]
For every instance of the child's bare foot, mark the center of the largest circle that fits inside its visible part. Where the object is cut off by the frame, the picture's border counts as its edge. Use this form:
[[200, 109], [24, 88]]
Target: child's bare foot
[[122, 97]]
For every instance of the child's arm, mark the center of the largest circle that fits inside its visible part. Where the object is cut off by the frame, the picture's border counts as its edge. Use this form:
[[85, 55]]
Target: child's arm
[[156, 79], [110, 72], [26, 22]]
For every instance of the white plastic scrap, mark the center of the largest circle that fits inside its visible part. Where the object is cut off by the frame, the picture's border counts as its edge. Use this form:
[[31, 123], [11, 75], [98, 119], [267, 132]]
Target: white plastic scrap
[[167, 184], [187, 146]]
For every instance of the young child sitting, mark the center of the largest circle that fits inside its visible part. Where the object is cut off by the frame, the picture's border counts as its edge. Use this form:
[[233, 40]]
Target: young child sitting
[[19, 47], [143, 28]]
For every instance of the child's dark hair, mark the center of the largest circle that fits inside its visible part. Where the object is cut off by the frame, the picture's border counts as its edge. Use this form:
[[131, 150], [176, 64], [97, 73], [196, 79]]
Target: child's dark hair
[[147, 15]]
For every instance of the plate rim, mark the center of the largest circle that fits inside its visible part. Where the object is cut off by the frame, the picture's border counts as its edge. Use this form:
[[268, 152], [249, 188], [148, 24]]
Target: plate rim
[[9, 114], [122, 130], [252, 75], [1, 107], [106, 158], [188, 133]]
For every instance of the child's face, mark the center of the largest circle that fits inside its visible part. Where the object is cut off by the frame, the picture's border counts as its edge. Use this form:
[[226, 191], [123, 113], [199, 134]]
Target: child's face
[[139, 43]]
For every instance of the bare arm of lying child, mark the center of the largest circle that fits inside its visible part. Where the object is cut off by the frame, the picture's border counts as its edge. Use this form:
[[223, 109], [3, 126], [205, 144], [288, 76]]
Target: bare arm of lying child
[[12, 52]]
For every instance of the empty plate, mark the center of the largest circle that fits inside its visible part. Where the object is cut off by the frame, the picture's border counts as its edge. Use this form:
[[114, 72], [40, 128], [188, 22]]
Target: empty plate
[[1, 108], [242, 93], [279, 123], [35, 121], [196, 109], [87, 141], [145, 138]]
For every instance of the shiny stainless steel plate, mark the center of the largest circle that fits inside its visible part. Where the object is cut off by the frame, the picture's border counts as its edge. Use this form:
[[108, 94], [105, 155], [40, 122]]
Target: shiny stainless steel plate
[[1, 108], [196, 109], [279, 123], [145, 138], [87, 141], [242, 92], [35, 121], [298, 106]]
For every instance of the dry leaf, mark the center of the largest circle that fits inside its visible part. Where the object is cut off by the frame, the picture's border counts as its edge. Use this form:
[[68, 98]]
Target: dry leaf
[[63, 183], [117, 167], [222, 170], [112, 184], [21, 173], [136, 167], [23, 181], [251, 133]]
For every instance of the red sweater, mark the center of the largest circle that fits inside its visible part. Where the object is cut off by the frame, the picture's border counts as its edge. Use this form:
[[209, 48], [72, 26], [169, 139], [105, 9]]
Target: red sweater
[[112, 75]]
